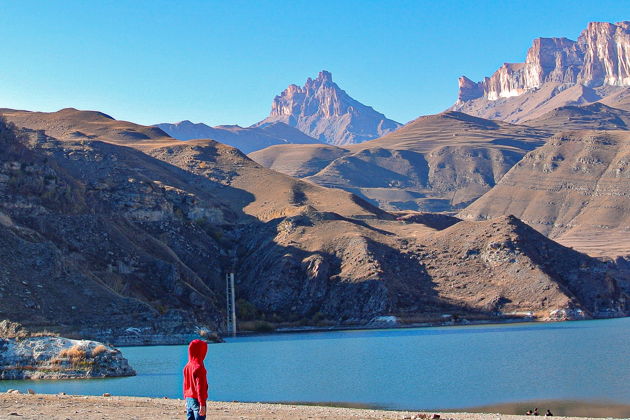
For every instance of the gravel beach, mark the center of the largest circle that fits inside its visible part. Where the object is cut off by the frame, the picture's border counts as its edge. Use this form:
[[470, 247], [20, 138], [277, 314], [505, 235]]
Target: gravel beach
[[41, 406]]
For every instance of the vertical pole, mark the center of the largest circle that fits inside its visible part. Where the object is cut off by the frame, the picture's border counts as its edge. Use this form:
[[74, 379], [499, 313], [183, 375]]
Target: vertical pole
[[233, 314], [231, 304]]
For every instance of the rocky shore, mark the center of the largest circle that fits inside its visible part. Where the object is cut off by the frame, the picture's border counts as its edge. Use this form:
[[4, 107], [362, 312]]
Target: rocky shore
[[74, 406], [59, 358]]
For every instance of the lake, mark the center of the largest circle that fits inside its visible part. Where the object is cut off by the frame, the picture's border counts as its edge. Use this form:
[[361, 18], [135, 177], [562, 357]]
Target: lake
[[417, 368]]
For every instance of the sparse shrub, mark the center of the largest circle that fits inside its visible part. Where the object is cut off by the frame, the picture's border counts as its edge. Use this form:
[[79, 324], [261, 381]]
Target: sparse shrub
[[318, 316], [15, 330], [75, 354], [179, 213], [56, 361], [215, 233], [98, 350]]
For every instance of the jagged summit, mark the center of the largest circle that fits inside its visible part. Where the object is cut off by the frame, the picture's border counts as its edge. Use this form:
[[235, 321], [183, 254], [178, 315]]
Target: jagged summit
[[324, 111], [556, 72], [600, 56]]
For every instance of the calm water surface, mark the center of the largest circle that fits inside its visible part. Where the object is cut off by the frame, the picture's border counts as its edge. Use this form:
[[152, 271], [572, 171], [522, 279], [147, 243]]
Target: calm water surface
[[424, 368]]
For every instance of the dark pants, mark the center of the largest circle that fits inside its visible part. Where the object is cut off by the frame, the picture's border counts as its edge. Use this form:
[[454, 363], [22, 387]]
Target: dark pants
[[192, 410]]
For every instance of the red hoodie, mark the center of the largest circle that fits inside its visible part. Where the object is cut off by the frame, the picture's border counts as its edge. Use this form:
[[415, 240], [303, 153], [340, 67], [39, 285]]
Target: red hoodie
[[195, 382]]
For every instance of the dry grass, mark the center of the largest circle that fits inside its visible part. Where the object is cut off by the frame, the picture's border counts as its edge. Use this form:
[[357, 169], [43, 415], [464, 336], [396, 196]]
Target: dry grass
[[75, 353], [44, 333], [98, 350]]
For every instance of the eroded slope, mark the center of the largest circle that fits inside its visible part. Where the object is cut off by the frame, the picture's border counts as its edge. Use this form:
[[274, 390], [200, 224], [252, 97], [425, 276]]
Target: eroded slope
[[575, 189]]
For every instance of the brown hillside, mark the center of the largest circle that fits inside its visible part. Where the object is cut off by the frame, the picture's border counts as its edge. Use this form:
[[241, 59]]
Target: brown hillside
[[575, 189], [73, 124], [131, 244], [595, 116], [435, 163]]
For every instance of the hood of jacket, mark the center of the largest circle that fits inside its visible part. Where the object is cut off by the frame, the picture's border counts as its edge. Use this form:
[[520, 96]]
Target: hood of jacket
[[197, 350]]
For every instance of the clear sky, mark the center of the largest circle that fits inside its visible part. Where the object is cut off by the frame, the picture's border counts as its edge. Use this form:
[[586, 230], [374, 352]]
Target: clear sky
[[222, 62]]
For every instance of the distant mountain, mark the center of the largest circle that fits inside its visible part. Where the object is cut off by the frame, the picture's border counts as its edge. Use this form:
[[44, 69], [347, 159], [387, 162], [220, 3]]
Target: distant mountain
[[434, 163], [246, 139], [574, 189], [324, 111], [556, 72]]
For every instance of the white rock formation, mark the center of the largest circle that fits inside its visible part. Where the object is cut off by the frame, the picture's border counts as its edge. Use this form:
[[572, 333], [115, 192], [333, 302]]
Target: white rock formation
[[59, 358], [600, 57]]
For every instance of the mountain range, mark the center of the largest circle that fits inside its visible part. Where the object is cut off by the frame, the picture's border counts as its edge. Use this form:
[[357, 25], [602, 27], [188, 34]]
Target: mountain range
[[434, 163], [456, 162], [246, 139], [575, 189], [318, 112], [116, 231], [125, 237]]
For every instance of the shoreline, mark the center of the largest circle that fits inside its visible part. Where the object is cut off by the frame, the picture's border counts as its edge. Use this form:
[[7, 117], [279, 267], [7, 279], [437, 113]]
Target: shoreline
[[307, 329], [56, 406]]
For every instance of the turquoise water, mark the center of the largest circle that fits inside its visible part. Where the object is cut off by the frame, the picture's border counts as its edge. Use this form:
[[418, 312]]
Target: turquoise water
[[423, 368]]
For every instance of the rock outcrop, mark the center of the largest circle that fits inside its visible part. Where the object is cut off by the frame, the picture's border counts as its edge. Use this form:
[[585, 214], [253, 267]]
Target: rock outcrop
[[325, 112], [246, 139], [60, 358], [599, 61], [600, 57]]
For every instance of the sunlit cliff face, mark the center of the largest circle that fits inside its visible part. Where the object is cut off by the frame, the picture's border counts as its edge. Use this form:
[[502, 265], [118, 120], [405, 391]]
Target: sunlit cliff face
[[600, 57]]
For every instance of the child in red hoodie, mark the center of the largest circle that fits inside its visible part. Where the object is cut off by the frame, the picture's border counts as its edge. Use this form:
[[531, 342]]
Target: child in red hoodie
[[195, 382]]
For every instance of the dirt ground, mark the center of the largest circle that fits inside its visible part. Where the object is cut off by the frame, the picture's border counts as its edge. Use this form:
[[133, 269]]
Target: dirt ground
[[20, 406]]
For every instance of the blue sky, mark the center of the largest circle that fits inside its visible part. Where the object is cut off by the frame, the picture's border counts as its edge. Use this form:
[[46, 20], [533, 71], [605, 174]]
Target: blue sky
[[222, 62]]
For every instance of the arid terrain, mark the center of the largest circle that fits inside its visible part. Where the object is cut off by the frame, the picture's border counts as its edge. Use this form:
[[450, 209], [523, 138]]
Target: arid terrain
[[70, 406], [574, 189], [116, 231], [145, 226], [434, 163]]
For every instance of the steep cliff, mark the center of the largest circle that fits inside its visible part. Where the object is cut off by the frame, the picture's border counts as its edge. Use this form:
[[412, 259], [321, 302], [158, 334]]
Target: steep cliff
[[599, 61], [324, 111]]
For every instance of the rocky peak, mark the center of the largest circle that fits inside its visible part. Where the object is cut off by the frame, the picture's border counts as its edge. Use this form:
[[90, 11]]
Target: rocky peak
[[468, 89], [606, 49], [323, 77], [600, 57], [324, 111]]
